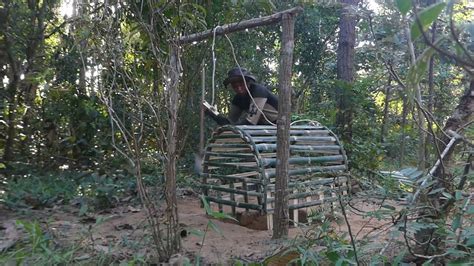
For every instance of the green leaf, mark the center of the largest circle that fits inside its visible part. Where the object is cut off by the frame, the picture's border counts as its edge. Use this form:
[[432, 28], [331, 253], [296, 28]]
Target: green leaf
[[214, 227], [418, 70], [2, 166], [238, 263], [341, 261], [390, 207], [456, 253], [434, 191], [426, 17], [459, 50], [418, 226], [398, 259], [458, 195], [206, 205], [403, 6], [221, 215], [459, 263], [470, 210], [470, 29], [196, 232], [197, 260], [447, 195], [470, 242], [428, 262], [332, 256], [456, 222], [83, 210]]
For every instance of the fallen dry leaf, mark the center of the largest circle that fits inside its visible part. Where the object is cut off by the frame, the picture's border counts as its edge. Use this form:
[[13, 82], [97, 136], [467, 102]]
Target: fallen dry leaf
[[126, 199], [132, 209], [104, 249], [11, 236], [88, 220], [124, 227], [82, 257]]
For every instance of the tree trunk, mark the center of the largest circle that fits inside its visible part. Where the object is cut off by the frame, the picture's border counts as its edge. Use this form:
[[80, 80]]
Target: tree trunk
[[12, 90], [80, 9], [12, 104], [430, 104], [174, 241], [34, 54], [345, 69], [403, 125], [461, 117], [281, 215], [383, 130]]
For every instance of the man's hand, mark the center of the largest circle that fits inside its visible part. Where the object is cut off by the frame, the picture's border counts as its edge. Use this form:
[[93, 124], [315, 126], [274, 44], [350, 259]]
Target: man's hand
[[210, 108], [210, 111]]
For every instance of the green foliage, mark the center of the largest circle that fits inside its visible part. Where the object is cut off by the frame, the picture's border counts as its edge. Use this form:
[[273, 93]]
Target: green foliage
[[365, 155], [426, 17], [39, 191], [403, 6], [39, 249], [332, 248], [418, 70], [102, 192], [91, 190]]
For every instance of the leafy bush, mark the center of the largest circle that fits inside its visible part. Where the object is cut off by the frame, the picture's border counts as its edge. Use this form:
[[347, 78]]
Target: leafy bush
[[39, 191]]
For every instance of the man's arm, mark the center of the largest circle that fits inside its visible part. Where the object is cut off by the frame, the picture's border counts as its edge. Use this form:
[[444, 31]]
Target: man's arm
[[234, 114]]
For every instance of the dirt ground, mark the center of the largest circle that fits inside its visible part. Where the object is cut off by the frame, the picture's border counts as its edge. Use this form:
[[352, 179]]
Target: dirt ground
[[120, 231]]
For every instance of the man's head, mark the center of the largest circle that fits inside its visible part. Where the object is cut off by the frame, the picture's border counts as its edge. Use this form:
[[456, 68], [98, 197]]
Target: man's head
[[236, 78]]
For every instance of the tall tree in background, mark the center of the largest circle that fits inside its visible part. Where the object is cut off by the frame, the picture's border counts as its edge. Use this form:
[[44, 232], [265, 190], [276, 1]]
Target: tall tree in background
[[22, 37], [345, 68]]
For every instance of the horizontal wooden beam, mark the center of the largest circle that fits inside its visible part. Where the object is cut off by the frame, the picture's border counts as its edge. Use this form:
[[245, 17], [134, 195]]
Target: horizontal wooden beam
[[232, 190], [238, 26], [234, 203], [271, 172], [233, 177], [303, 148], [306, 160], [313, 183]]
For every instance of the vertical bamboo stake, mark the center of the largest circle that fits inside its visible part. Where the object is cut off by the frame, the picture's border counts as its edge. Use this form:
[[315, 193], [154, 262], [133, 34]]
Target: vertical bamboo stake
[[270, 206], [201, 114], [280, 221]]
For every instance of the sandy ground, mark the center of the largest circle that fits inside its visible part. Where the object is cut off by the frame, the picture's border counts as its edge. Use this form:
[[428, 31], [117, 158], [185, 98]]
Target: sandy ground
[[121, 232]]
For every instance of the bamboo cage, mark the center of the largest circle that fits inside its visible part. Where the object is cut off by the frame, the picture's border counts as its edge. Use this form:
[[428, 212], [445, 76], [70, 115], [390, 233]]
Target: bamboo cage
[[239, 168]]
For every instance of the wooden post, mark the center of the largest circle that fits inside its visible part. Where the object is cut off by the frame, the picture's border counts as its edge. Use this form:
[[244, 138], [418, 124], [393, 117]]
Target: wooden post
[[281, 219]]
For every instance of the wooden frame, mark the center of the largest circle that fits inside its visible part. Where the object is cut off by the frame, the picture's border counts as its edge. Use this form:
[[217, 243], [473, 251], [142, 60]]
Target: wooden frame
[[287, 19]]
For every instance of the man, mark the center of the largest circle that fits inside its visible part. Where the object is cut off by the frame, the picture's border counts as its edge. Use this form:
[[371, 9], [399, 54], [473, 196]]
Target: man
[[253, 104]]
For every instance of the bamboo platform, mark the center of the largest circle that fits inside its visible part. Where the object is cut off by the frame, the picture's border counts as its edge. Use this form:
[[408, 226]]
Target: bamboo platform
[[239, 168]]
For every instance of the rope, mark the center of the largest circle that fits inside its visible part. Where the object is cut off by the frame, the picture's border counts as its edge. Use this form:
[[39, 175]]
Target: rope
[[245, 82]]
